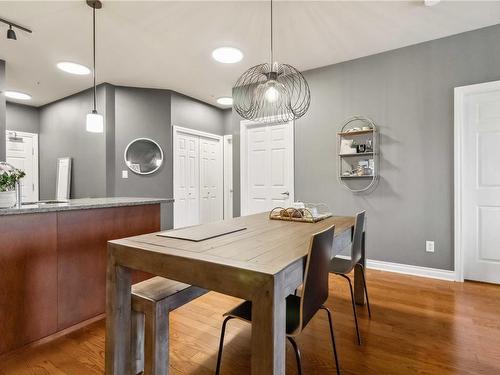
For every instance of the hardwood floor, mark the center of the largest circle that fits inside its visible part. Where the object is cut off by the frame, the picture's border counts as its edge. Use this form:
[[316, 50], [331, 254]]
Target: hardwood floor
[[419, 326]]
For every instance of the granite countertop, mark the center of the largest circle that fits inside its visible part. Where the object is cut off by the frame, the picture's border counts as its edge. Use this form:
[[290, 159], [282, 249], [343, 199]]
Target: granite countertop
[[81, 204]]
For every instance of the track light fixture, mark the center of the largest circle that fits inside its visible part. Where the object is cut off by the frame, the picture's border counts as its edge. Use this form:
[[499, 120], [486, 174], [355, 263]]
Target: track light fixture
[[11, 33]]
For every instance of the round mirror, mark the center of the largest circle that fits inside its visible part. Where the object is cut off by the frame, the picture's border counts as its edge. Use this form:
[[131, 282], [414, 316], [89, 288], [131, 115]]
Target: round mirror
[[143, 156]]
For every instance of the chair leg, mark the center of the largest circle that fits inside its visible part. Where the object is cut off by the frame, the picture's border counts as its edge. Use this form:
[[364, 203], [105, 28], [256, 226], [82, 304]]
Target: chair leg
[[366, 289], [353, 306], [297, 354], [221, 344], [330, 321]]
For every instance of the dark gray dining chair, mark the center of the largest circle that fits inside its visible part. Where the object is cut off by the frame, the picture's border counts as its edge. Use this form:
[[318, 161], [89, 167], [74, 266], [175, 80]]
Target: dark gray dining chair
[[343, 267], [299, 310]]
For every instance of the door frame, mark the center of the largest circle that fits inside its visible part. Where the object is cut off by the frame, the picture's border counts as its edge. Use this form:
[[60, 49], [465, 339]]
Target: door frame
[[228, 190], [197, 133], [459, 123], [34, 136], [244, 126]]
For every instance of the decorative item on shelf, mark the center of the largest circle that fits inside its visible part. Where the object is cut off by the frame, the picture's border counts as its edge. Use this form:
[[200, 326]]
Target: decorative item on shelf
[[301, 212], [369, 145], [361, 149], [271, 92], [356, 174], [347, 147], [10, 187]]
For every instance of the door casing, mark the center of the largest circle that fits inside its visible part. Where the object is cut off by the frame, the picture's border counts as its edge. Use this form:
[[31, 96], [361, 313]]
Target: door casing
[[244, 126], [179, 129], [460, 121], [228, 176], [35, 167]]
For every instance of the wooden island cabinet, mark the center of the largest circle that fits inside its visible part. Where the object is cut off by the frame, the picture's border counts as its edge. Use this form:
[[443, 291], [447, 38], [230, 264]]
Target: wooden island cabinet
[[53, 263]]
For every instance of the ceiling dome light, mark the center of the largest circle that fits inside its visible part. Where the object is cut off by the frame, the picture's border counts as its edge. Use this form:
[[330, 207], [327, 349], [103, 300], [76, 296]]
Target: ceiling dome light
[[227, 55], [17, 95], [73, 68], [225, 100]]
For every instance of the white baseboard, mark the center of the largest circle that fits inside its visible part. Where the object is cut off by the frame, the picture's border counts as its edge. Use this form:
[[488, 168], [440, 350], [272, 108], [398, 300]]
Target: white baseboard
[[433, 273]]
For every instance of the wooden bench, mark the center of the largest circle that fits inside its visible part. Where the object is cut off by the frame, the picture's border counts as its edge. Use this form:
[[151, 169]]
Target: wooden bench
[[152, 300]]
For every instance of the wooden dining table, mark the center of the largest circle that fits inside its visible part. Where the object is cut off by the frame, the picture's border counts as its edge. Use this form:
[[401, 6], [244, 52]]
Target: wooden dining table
[[263, 263]]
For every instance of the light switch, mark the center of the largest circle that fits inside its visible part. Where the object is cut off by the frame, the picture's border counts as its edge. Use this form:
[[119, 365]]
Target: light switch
[[125, 174]]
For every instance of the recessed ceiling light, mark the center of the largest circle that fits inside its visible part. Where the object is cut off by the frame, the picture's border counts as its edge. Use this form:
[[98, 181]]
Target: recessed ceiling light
[[225, 100], [17, 95], [73, 68], [227, 55]]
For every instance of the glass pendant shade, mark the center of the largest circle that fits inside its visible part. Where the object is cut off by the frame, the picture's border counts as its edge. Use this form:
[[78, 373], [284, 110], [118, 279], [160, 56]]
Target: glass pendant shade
[[277, 94], [95, 122]]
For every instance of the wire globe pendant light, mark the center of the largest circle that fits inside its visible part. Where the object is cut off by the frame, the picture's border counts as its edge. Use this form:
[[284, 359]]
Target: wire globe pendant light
[[271, 92]]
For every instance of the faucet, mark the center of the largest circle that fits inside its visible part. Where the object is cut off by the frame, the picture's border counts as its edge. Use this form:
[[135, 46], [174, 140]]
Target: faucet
[[18, 195]]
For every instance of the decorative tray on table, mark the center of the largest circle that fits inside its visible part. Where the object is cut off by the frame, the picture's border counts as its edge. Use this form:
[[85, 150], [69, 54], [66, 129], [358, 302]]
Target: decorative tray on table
[[309, 214]]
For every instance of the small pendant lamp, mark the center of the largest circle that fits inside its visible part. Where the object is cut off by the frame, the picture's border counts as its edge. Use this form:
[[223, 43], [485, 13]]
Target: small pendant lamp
[[95, 121]]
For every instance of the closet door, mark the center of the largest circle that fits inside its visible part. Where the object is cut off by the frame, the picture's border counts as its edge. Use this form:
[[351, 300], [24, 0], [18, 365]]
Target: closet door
[[211, 180], [187, 170]]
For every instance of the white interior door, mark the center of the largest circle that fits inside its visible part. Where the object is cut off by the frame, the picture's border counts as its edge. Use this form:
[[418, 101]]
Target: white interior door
[[480, 182], [267, 167], [211, 180], [228, 176], [22, 153], [186, 180]]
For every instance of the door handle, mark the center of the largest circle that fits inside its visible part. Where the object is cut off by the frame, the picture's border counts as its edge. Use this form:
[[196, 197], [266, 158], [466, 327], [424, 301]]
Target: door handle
[[286, 193]]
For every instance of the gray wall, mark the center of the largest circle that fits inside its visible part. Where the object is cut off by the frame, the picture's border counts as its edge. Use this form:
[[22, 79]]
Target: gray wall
[[144, 113], [409, 94], [98, 162], [191, 113], [227, 117], [23, 118], [63, 133], [2, 110], [150, 113]]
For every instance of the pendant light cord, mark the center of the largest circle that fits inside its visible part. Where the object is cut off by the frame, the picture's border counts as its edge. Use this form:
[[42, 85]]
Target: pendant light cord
[[272, 53], [93, 48]]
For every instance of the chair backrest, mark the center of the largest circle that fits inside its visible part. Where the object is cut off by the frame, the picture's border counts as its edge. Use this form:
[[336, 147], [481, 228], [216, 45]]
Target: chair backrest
[[357, 240], [315, 288]]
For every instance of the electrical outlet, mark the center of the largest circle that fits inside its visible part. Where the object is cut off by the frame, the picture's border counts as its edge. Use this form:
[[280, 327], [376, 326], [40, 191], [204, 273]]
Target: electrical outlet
[[429, 246], [125, 174]]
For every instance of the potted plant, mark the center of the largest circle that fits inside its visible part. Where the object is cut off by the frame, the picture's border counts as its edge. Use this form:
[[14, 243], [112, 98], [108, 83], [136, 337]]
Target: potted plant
[[9, 177]]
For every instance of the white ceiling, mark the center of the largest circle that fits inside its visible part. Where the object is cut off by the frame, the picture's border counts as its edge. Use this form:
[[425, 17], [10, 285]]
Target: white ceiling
[[169, 44]]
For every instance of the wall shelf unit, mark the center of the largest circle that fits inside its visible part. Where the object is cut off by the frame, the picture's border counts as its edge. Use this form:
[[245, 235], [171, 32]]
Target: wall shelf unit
[[358, 154]]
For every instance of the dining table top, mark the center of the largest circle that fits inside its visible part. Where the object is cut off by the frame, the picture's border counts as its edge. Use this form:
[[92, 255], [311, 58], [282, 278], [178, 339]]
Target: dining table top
[[266, 246]]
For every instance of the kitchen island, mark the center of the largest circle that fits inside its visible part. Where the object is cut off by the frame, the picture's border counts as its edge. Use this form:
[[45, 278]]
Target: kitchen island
[[53, 262]]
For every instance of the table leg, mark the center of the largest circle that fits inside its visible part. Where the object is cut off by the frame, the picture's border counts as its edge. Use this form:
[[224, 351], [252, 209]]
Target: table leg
[[359, 295], [268, 329], [118, 285]]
